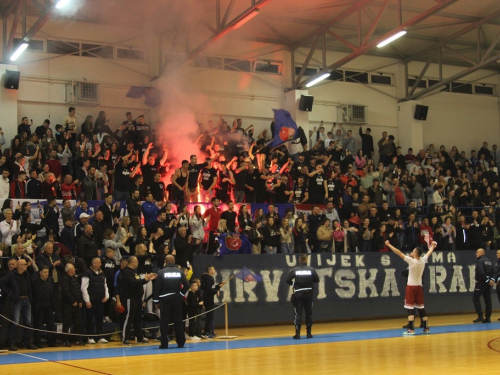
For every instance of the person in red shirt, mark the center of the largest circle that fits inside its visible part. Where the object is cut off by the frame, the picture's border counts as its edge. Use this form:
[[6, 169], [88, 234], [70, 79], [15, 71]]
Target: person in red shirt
[[425, 229], [69, 188], [18, 186], [54, 164], [213, 215]]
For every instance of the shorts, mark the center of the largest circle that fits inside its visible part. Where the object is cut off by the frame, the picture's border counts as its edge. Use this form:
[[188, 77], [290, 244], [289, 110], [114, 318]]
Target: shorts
[[414, 297]]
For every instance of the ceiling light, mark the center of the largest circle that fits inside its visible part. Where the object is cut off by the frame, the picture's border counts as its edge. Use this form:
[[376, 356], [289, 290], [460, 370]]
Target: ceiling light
[[317, 80], [19, 50], [244, 20], [61, 4], [391, 39]]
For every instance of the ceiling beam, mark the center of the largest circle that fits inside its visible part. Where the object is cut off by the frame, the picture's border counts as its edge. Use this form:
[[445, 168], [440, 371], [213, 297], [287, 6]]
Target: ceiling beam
[[455, 77], [363, 49]]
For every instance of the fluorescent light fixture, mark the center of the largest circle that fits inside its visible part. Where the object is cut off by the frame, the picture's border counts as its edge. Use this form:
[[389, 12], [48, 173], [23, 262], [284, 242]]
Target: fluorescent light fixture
[[244, 20], [391, 39], [319, 79], [18, 52], [61, 4]]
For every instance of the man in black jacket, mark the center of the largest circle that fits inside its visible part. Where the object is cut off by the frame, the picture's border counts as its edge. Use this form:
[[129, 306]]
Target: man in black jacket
[[87, 246], [133, 291], [72, 301], [302, 278], [52, 261], [183, 250], [99, 226], [110, 212], [134, 209], [6, 307], [17, 284], [168, 298], [43, 305], [366, 142], [210, 289], [484, 279], [51, 214]]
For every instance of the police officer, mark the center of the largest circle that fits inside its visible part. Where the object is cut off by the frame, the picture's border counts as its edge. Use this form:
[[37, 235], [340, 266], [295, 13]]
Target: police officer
[[484, 275], [302, 278], [168, 294], [497, 275]]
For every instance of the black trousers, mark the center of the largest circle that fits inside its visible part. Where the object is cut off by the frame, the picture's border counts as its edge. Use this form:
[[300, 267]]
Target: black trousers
[[212, 244], [209, 316], [194, 324], [482, 289], [134, 317], [57, 303], [171, 311], [95, 312], [303, 301], [44, 315], [72, 315], [5, 310]]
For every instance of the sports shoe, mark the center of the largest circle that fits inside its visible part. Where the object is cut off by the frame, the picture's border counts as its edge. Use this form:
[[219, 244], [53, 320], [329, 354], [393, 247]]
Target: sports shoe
[[91, 341], [102, 341], [193, 338], [487, 320], [107, 320], [144, 340], [409, 332], [30, 346], [479, 319], [204, 336], [426, 331], [210, 336], [126, 342]]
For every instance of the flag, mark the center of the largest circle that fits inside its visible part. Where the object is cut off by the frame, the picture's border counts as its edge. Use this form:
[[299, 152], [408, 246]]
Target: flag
[[151, 94], [135, 92], [285, 129], [232, 243], [246, 275]]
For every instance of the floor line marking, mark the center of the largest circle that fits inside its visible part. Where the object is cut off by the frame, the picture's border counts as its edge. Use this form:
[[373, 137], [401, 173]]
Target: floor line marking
[[64, 364]]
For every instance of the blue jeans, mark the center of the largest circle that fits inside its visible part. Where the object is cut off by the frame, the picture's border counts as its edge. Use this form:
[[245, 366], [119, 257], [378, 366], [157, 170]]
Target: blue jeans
[[273, 251], [286, 248], [23, 307]]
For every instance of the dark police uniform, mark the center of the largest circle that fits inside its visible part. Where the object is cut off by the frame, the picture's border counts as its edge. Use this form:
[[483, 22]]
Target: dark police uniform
[[497, 278], [302, 279], [168, 293], [484, 273]]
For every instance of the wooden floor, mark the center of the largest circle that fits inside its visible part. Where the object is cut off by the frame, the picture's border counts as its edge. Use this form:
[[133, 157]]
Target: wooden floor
[[455, 352]]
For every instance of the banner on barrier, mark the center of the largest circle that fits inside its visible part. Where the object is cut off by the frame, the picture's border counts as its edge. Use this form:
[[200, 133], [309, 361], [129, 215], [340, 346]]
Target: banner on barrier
[[346, 276]]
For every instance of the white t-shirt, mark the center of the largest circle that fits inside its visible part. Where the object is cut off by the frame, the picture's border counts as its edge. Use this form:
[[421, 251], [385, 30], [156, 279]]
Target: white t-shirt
[[416, 269]]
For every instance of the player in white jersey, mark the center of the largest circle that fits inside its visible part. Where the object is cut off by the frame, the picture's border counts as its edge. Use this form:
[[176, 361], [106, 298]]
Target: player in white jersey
[[414, 296]]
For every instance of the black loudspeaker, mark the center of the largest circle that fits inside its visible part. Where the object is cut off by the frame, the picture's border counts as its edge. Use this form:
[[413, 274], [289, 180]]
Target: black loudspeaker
[[421, 112], [306, 103], [11, 79]]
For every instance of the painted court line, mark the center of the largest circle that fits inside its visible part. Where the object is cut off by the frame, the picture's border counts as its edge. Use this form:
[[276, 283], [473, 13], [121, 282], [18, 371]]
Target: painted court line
[[64, 364], [214, 345]]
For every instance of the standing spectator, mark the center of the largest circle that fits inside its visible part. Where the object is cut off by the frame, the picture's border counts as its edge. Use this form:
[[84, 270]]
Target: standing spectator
[[244, 219], [483, 275], [349, 143], [18, 186], [192, 180], [325, 236], [314, 221], [300, 236], [210, 289], [367, 142], [183, 248], [286, 237], [132, 292], [449, 235], [196, 225], [43, 305], [271, 236], [42, 129], [134, 209], [17, 284], [194, 306], [71, 124], [411, 231], [207, 181], [24, 126], [52, 261], [9, 227], [87, 247], [110, 212], [213, 215], [4, 184], [51, 215], [95, 294], [33, 186], [72, 301], [150, 210], [230, 216]]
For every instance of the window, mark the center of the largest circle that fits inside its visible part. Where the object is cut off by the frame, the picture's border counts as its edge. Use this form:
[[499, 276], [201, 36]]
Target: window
[[307, 73], [130, 54], [422, 84], [336, 75], [381, 79], [356, 77], [63, 48], [267, 67], [433, 82], [96, 50], [483, 89], [463, 88], [237, 65], [208, 62], [33, 45]]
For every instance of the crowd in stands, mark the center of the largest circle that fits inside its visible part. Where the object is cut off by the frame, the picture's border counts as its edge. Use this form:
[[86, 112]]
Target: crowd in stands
[[356, 203]]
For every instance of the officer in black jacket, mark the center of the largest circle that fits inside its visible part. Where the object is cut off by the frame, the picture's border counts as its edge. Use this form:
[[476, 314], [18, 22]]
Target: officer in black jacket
[[302, 278], [72, 302], [497, 275], [168, 297], [484, 275], [133, 291], [43, 305]]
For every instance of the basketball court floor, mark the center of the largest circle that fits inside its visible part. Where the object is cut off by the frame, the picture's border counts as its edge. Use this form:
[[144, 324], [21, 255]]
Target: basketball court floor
[[455, 346]]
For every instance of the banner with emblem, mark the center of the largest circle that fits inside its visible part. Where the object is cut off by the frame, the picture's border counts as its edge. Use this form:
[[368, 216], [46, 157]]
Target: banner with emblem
[[285, 128]]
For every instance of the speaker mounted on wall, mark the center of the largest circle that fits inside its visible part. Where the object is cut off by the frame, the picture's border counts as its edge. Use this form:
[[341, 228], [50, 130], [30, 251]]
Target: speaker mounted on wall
[[421, 112], [11, 79], [306, 103]]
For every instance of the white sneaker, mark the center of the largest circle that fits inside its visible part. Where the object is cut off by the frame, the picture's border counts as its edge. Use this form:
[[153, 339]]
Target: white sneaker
[[195, 338], [107, 320], [91, 341], [102, 341]]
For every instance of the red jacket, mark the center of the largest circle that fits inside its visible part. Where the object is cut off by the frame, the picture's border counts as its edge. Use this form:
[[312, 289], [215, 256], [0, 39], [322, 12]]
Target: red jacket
[[17, 189], [214, 218], [55, 167]]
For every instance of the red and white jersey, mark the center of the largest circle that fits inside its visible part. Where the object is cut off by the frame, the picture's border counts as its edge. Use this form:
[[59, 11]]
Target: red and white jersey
[[416, 269]]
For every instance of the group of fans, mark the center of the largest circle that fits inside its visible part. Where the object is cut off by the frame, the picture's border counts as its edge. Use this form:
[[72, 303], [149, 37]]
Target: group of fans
[[72, 271]]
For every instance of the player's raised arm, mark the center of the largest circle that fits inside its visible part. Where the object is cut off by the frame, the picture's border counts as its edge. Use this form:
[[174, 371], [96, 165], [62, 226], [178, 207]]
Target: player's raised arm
[[394, 250], [431, 249]]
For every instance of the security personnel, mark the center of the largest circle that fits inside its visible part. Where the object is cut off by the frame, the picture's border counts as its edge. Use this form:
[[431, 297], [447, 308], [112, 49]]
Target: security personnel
[[484, 275], [168, 297], [497, 275], [302, 279], [133, 291]]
